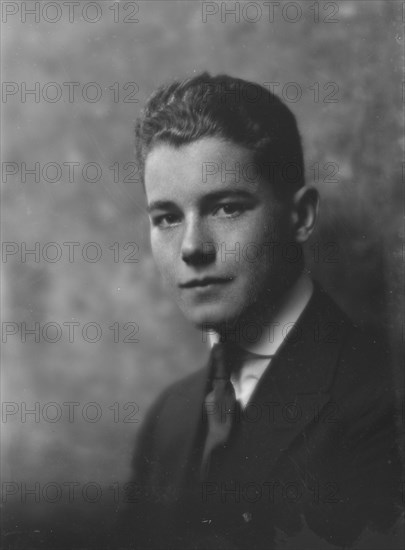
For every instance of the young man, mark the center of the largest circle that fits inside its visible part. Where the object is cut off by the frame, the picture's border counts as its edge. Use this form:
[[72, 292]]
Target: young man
[[290, 427]]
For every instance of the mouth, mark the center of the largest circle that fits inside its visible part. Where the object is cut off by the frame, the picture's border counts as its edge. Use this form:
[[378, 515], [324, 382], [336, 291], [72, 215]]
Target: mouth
[[205, 282]]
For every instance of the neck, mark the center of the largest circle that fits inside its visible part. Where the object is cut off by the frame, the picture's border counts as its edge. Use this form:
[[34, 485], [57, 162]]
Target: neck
[[271, 308]]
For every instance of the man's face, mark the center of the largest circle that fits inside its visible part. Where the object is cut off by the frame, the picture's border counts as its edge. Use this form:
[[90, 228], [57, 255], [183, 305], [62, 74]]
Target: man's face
[[216, 236]]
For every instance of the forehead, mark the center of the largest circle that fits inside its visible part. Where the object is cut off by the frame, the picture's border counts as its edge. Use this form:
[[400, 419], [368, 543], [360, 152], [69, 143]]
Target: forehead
[[200, 167]]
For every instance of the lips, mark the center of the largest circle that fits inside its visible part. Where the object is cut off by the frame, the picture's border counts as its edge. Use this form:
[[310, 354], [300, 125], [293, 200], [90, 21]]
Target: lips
[[195, 283]]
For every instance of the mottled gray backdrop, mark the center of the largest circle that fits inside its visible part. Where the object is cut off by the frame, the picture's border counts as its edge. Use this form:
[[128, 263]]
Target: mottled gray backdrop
[[105, 337]]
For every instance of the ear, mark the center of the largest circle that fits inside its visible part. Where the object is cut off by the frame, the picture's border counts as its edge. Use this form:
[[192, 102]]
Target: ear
[[304, 213]]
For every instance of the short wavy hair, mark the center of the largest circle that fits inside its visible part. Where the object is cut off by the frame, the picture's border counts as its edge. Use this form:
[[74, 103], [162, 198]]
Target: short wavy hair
[[231, 109]]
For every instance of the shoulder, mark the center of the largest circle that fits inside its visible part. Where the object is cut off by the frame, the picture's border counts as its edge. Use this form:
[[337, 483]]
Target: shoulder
[[182, 388], [361, 358], [175, 399], [363, 381], [354, 342]]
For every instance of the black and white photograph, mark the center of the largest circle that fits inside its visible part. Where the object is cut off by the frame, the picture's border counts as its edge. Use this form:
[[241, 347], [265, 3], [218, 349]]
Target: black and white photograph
[[202, 275]]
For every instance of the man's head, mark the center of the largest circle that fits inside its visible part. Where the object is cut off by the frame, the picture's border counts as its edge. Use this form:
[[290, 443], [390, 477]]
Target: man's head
[[230, 109], [224, 179]]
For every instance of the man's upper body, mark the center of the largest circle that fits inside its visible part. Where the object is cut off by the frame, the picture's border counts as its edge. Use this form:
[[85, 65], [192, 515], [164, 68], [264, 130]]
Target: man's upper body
[[314, 449], [313, 439]]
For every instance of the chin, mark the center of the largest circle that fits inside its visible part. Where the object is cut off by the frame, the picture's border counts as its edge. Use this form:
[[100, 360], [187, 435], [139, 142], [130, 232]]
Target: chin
[[211, 316]]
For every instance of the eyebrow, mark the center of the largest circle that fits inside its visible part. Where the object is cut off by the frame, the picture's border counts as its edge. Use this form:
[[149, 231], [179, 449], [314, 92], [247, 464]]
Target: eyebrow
[[214, 196]]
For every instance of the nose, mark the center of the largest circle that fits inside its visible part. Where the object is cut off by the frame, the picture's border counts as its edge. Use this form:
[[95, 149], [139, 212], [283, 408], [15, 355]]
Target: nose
[[197, 247]]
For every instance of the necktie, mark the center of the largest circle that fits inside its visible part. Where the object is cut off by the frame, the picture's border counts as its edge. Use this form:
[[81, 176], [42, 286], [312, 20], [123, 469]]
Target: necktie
[[220, 405]]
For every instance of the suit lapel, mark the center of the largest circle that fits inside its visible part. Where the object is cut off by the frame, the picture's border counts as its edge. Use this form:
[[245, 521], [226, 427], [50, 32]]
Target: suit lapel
[[294, 389], [180, 441]]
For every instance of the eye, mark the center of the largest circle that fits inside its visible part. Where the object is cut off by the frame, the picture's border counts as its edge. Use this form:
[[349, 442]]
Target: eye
[[165, 220], [229, 210]]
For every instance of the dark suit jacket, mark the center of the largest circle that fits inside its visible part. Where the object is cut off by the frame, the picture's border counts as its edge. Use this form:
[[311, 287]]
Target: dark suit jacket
[[316, 447]]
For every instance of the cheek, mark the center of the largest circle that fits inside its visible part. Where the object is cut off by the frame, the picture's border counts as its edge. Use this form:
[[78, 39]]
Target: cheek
[[256, 238], [162, 254]]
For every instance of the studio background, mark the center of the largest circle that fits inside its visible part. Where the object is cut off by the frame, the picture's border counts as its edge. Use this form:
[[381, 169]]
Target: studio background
[[348, 68]]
